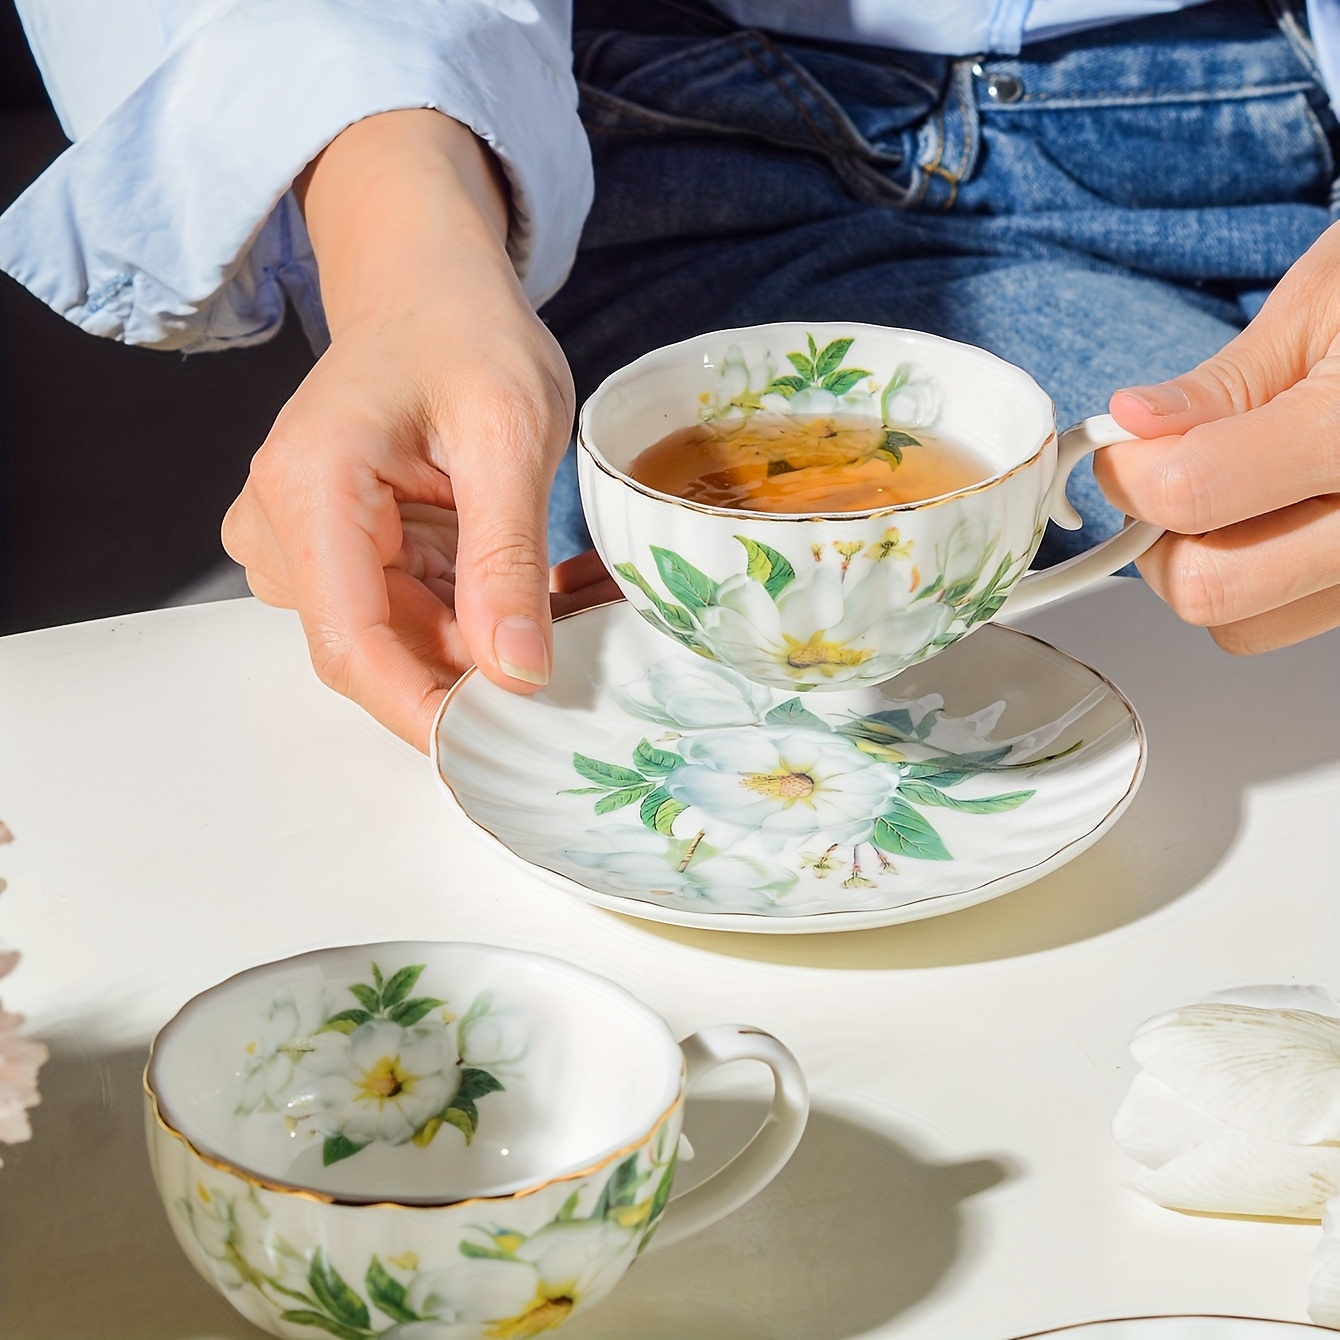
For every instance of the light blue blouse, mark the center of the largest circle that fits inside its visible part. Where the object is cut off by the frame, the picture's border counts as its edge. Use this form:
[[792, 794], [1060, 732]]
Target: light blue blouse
[[170, 220]]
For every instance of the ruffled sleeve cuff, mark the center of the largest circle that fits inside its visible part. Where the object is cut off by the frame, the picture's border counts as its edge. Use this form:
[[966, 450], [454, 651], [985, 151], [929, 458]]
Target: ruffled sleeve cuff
[[172, 224]]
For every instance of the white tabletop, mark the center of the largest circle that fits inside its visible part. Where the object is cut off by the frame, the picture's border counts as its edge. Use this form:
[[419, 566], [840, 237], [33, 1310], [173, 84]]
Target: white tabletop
[[187, 800]]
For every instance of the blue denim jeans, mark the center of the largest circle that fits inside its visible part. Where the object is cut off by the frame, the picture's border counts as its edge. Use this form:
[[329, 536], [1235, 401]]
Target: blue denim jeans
[[1102, 210]]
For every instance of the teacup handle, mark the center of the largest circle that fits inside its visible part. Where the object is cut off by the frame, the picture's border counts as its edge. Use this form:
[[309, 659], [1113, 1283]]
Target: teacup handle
[[1037, 588], [766, 1154]]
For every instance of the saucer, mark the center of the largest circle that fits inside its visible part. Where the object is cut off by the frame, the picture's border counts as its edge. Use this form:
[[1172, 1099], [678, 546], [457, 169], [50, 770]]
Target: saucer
[[1183, 1328], [650, 781]]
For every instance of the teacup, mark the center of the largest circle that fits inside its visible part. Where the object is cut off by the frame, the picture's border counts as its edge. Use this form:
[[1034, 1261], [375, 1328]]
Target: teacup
[[453, 1139], [838, 600]]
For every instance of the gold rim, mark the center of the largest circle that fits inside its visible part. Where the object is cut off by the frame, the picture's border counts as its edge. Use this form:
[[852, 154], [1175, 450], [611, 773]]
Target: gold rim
[[1170, 1316], [626, 905], [330, 1198]]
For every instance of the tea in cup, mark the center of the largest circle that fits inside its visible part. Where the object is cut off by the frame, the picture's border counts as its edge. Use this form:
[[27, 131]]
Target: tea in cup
[[820, 506], [450, 1138]]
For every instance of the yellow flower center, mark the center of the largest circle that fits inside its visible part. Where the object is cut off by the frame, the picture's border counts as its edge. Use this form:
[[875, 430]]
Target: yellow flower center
[[784, 786], [385, 1080], [826, 657], [544, 1315]]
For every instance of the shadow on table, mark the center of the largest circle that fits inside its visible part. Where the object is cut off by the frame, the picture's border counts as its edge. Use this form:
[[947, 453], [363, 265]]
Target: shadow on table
[[1218, 725], [857, 1229]]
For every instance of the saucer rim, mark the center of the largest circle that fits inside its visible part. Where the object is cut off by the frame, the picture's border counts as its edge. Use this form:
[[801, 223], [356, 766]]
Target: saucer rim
[[921, 909]]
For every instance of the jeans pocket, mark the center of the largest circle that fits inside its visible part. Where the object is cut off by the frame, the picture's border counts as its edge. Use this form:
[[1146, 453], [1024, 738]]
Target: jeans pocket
[[741, 86]]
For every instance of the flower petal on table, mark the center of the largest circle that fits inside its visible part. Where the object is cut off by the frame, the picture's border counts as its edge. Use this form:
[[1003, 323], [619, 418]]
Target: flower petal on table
[[1323, 1288], [1275, 1073], [1244, 1174]]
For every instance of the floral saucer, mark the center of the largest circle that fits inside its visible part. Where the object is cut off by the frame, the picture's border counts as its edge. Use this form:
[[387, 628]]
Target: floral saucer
[[650, 781], [1183, 1328]]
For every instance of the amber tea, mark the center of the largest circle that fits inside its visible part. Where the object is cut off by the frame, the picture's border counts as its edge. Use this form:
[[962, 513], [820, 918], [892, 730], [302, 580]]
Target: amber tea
[[783, 463]]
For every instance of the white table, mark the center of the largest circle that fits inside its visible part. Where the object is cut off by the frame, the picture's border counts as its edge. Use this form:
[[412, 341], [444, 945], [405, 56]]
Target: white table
[[187, 800]]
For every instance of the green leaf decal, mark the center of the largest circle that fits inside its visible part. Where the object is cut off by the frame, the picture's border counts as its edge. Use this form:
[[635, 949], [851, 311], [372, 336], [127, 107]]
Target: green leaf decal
[[609, 775], [478, 1253], [830, 360], [766, 565], [921, 793], [616, 800], [786, 386], [803, 365], [409, 1012], [369, 997], [660, 810], [377, 978], [400, 985], [695, 589], [650, 759], [306, 1317], [662, 1197], [794, 713], [840, 382], [388, 1294], [475, 1083], [464, 1117], [901, 831], [344, 1022], [337, 1147], [568, 1208], [334, 1294], [621, 1189]]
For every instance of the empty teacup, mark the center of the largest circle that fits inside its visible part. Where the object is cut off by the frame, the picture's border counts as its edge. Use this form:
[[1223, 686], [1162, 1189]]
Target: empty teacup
[[820, 506], [423, 1139]]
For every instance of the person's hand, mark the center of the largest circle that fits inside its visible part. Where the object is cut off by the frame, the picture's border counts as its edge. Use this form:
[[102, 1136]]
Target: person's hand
[[399, 502], [1241, 465]]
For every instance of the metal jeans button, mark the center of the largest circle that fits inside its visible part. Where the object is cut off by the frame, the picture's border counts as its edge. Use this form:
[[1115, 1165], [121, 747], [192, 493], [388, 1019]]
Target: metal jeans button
[[1003, 88]]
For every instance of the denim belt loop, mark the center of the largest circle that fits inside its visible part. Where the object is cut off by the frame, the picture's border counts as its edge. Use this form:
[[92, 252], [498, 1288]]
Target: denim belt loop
[[949, 141]]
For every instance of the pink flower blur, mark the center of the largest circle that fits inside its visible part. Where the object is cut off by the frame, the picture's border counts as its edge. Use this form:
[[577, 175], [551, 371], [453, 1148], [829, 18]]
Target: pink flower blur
[[20, 1059]]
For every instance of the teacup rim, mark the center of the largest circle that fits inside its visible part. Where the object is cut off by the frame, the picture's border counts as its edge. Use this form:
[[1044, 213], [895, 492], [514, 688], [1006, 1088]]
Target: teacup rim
[[236, 1168], [601, 463]]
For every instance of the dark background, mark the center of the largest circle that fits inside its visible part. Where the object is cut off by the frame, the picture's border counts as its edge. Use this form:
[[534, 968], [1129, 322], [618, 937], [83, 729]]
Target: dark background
[[116, 464]]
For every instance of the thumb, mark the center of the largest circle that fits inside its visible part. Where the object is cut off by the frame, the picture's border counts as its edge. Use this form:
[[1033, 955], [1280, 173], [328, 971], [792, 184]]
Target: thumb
[[502, 568], [1266, 358]]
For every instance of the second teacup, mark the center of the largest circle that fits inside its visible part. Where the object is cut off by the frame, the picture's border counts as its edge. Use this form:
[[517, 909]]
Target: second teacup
[[842, 599], [421, 1139]]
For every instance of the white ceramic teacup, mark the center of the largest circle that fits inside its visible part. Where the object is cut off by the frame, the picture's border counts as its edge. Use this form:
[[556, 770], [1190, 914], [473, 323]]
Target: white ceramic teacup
[[443, 1141], [838, 600]]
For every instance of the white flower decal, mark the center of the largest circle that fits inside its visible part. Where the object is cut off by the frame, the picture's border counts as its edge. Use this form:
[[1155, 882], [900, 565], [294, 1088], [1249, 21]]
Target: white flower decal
[[393, 1069], [381, 1082], [694, 696], [782, 783], [642, 862]]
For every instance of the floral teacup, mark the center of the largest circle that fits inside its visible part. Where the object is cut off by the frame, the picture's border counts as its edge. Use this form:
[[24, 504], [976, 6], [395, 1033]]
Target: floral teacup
[[434, 1140], [838, 600]]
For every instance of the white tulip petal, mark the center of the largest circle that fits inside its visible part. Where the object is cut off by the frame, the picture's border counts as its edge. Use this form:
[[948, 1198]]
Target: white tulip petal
[[1154, 1125], [1323, 1291], [1312, 998], [1244, 1174], [1275, 1073]]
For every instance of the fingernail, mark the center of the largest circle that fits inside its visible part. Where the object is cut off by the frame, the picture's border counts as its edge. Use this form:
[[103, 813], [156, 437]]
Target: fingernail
[[1163, 399], [520, 649]]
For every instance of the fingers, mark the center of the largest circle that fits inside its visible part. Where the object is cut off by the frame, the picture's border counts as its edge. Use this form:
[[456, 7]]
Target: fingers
[[1242, 571], [502, 568], [1224, 470], [1282, 627]]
